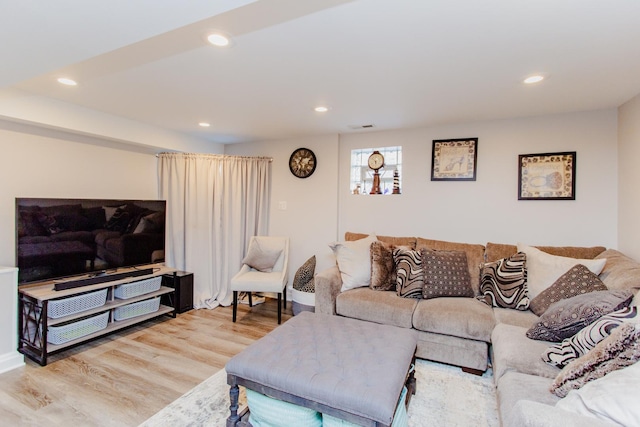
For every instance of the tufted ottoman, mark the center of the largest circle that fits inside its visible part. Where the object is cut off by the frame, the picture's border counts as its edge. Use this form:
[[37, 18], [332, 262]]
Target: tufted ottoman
[[345, 368]]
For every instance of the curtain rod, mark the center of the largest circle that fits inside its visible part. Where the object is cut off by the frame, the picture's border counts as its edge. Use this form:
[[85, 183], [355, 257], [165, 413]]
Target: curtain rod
[[218, 155]]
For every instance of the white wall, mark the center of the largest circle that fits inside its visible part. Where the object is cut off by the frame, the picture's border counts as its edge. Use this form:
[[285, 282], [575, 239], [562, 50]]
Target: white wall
[[488, 209], [42, 162], [310, 218], [321, 208], [629, 177]]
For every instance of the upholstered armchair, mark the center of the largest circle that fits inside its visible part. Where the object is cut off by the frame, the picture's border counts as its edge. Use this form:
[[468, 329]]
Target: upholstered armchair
[[264, 269]]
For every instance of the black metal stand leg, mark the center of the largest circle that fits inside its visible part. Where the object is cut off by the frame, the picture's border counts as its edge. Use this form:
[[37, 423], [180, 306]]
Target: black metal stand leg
[[233, 419], [235, 305]]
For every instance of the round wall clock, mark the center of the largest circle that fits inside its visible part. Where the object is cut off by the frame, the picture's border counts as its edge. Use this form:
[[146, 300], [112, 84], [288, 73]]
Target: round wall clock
[[302, 163]]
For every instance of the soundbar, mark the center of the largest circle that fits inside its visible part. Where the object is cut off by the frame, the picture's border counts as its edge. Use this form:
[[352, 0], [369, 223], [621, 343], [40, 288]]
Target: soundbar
[[70, 284]]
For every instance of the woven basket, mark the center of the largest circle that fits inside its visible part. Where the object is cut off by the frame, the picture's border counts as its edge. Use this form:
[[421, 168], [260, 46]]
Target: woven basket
[[71, 331], [136, 309], [141, 287], [76, 304]]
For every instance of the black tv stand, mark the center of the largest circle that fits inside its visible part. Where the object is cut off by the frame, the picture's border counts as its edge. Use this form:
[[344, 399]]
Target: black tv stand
[[102, 278]]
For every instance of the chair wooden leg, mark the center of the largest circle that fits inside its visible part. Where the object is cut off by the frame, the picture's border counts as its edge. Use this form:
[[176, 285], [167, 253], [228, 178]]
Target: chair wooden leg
[[279, 308], [285, 297], [235, 305], [250, 300]]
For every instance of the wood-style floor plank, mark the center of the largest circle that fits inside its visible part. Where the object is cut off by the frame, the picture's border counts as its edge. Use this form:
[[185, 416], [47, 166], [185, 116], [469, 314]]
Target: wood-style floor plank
[[124, 378]]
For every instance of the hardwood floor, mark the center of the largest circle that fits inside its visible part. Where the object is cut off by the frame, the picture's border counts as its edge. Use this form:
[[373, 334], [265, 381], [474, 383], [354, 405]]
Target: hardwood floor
[[124, 378]]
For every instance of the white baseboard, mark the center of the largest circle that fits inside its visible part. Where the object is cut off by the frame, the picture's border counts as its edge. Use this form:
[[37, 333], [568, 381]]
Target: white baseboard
[[9, 361]]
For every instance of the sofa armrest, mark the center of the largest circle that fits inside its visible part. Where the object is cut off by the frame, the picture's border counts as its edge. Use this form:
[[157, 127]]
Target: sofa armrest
[[328, 284], [527, 413]]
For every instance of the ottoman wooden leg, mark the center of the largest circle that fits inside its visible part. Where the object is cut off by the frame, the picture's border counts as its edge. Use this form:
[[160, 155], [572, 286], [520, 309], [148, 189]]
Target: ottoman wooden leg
[[233, 419]]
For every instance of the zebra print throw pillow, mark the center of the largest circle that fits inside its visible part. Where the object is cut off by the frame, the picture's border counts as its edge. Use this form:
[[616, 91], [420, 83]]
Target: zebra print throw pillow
[[410, 278], [587, 338], [503, 283]]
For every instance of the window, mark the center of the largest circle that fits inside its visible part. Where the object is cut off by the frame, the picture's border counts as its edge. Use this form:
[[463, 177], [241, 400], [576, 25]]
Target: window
[[361, 177]]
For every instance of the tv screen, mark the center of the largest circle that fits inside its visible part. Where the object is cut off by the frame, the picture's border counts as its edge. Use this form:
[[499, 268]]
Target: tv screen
[[58, 238]]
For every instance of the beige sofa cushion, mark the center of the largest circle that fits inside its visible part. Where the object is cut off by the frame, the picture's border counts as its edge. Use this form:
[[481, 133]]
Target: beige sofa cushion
[[513, 351], [620, 271], [376, 306], [496, 251], [459, 317], [514, 387], [509, 316], [475, 256]]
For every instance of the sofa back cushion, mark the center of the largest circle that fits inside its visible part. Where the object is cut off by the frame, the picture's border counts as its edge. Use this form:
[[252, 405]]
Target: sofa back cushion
[[410, 242], [475, 256], [620, 271], [497, 251]]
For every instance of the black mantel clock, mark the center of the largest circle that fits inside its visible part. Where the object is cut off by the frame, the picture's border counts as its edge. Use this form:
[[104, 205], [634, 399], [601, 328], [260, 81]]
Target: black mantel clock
[[302, 163]]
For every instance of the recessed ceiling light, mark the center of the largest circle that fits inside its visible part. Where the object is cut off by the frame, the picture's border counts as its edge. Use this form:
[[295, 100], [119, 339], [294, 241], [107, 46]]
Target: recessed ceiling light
[[204, 124], [534, 79], [321, 109], [67, 81], [218, 39]]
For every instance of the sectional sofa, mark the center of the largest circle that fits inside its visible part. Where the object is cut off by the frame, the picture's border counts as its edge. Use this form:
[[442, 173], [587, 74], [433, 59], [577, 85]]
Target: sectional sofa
[[472, 334]]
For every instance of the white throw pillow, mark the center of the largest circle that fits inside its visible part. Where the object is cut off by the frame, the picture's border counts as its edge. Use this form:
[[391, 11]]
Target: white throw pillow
[[544, 269], [612, 398], [354, 262]]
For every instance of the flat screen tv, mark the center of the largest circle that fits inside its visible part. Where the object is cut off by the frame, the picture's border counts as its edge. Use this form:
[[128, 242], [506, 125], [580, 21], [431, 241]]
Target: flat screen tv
[[58, 238]]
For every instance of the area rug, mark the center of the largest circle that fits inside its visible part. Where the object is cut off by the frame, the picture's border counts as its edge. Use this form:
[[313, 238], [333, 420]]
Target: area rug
[[445, 396]]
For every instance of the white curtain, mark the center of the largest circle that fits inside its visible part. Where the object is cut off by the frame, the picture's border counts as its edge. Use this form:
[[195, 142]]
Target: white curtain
[[215, 203]]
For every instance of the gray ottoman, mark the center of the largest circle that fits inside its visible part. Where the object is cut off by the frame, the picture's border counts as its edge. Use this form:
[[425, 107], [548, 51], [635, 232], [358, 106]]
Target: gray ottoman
[[346, 368]]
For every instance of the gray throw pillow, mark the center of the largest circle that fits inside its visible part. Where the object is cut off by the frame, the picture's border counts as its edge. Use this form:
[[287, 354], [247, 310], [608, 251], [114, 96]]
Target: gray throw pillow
[[588, 337], [446, 274], [568, 316], [261, 257], [578, 280]]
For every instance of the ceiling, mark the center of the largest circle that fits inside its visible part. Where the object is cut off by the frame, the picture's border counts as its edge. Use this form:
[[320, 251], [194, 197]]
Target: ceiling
[[390, 64]]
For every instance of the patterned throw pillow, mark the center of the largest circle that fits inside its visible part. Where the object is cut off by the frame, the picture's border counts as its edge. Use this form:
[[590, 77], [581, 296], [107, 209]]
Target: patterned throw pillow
[[618, 350], [566, 317], [446, 274], [383, 269], [503, 283], [410, 279], [303, 280], [577, 281], [588, 337]]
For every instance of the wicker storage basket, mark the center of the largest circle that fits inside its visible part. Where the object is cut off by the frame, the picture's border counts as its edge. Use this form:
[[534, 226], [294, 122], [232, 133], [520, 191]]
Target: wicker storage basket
[[76, 304], [133, 289], [136, 309], [71, 331]]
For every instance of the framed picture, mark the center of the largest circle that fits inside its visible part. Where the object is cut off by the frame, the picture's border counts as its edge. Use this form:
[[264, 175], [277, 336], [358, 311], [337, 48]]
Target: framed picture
[[454, 159], [548, 176]]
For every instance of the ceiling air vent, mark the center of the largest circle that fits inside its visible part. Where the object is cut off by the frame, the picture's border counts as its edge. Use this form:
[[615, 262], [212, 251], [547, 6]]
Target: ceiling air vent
[[361, 126]]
